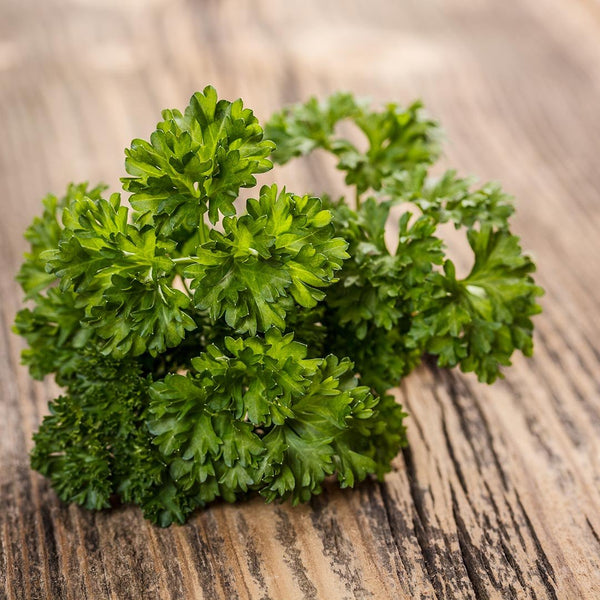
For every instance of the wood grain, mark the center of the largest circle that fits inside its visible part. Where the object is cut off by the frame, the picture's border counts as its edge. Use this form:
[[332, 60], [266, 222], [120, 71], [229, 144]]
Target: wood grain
[[498, 494]]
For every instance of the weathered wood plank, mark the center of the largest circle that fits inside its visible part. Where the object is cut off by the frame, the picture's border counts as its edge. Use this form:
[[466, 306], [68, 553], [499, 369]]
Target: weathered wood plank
[[498, 494]]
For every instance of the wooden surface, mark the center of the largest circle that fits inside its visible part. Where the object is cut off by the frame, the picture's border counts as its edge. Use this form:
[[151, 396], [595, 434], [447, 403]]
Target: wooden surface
[[498, 495]]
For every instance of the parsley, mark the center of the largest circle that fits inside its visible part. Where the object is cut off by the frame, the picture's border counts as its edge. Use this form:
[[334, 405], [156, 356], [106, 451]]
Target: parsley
[[209, 352]]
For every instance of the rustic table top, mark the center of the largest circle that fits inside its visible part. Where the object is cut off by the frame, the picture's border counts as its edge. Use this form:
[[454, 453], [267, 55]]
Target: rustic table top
[[498, 494]]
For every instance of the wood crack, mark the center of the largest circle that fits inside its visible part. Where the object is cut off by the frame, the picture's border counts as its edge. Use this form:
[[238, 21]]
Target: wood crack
[[470, 561], [419, 523], [286, 535], [544, 566]]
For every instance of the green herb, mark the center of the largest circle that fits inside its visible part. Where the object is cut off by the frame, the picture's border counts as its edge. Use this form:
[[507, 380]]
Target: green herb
[[206, 353]]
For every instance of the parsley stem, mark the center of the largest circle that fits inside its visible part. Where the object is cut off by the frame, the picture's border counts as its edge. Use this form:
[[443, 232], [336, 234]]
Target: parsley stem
[[357, 199], [183, 259], [203, 238]]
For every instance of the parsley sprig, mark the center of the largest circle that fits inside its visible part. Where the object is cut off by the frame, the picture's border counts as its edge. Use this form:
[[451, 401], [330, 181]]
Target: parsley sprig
[[211, 352]]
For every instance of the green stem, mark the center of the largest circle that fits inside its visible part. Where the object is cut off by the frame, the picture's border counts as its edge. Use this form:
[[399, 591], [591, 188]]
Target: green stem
[[203, 238], [184, 259], [357, 200]]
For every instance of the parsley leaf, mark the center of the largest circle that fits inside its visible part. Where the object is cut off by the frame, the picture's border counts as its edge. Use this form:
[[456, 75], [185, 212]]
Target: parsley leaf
[[282, 250], [196, 162], [121, 275], [397, 139], [479, 322]]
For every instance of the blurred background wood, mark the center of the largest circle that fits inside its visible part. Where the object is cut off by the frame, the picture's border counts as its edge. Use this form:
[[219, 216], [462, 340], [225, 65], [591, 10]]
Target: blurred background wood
[[498, 495]]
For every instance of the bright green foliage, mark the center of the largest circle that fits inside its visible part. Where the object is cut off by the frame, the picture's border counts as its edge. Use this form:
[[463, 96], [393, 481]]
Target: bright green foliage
[[398, 140], [121, 275], [52, 327], [479, 322], [390, 306], [44, 233], [450, 198], [196, 162], [54, 334], [258, 415], [253, 351], [370, 310], [282, 250]]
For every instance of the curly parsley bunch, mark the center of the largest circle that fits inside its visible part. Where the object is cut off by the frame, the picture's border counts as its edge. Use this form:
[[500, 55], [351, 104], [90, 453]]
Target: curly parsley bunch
[[206, 353]]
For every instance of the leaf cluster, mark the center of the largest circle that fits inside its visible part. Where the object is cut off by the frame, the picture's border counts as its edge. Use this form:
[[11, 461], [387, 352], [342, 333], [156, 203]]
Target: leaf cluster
[[208, 352], [397, 301]]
